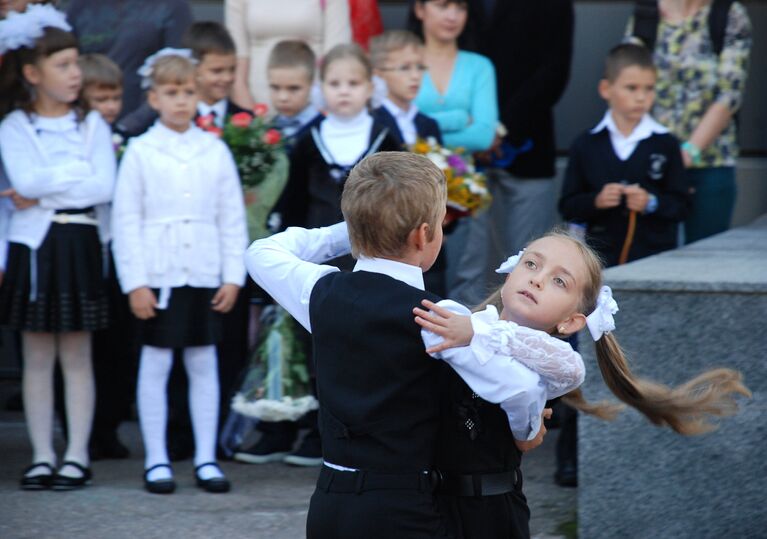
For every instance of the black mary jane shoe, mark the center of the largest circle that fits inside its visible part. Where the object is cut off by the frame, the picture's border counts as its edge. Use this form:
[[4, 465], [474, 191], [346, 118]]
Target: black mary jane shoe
[[37, 482], [65, 482], [159, 486], [214, 484]]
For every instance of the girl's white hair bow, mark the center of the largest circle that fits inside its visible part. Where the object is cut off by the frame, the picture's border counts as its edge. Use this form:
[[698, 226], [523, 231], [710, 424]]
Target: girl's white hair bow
[[601, 321], [510, 263], [23, 29], [145, 71]]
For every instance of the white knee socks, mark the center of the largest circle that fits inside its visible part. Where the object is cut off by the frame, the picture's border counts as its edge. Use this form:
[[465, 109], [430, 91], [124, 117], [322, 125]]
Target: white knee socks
[[200, 363], [201, 368], [152, 402], [39, 351]]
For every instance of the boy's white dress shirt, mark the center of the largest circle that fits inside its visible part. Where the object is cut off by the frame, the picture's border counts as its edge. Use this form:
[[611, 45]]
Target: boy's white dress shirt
[[288, 265], [624, 145], [178, 213], [405, 120]]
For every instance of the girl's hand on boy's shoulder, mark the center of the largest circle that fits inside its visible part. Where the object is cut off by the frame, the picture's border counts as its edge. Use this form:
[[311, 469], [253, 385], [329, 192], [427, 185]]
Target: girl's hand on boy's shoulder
[[529, 445], [455, 329], [142, 303], [225, 298]]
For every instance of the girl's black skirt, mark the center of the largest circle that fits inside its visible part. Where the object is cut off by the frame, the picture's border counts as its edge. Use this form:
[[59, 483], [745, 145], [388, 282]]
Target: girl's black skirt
[[71, 292], [188, 320]]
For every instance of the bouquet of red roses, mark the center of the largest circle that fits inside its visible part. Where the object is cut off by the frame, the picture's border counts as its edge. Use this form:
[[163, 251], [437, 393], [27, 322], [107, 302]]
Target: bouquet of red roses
[[255, 145]]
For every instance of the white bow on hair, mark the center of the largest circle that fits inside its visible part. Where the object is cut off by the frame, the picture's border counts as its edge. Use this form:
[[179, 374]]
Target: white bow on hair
[[145, 71], [22, 29], [510, 263], [601, 321]]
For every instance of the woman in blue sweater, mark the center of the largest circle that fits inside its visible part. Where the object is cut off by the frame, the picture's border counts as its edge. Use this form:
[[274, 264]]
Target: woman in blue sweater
[[458, 90]]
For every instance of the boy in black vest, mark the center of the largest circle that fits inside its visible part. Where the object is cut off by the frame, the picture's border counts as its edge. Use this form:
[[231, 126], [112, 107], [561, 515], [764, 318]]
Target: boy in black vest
[[379, 391], [625, 179]]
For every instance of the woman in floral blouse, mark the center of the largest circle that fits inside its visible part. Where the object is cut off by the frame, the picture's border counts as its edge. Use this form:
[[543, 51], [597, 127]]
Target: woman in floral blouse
[[698, 94]]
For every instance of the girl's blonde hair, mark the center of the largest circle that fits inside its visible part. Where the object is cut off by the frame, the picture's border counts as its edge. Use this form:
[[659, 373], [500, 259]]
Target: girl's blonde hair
[[172, 69], [683, 408], [344, 51]]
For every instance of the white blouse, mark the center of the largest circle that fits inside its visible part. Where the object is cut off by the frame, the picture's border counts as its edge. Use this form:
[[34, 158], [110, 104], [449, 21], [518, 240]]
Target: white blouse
[[178, 213], [63, 163], [289, 264]]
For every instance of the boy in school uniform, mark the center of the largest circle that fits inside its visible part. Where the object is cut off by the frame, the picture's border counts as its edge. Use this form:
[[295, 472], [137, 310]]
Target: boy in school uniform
[[291, 71], [397, 58], [625, 179], [379, 391], [115, 351], [213, 48]]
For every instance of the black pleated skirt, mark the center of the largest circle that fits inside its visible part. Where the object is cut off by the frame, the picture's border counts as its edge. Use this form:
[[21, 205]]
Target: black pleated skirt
[[187, 321], [69, 292]]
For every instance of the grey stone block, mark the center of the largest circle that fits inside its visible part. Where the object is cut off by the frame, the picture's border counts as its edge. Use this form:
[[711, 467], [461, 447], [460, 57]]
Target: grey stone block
[[683, 312]]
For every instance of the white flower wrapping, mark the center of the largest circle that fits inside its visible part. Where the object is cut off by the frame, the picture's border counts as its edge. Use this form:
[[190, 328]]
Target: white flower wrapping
[[23, 29], [285, 409], [601, 321]]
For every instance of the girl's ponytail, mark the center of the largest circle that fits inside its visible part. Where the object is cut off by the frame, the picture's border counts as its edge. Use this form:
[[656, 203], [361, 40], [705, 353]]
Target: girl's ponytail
[[683, 408]]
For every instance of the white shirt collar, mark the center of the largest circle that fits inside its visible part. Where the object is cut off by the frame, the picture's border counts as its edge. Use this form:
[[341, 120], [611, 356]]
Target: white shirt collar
[[410, 275], [219, 107], [397, 112], [646, 127], [624, 145], [360, 121]]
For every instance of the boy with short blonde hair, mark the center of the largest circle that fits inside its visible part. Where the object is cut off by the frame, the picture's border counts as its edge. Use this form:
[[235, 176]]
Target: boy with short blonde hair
[[397, 58], [381, 395], [102, 87]]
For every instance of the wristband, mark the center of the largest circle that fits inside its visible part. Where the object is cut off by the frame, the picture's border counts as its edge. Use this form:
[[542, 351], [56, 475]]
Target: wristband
[[693, 151], [652, 204]]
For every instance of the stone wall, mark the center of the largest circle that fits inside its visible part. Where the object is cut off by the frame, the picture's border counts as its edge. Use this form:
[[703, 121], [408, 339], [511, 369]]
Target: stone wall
[[682, 312]]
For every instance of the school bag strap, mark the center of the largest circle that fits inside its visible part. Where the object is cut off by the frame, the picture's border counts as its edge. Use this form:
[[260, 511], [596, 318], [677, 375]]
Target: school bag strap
[[647, 17]]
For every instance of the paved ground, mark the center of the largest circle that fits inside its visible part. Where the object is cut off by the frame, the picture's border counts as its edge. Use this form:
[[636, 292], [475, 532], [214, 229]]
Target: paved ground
[[268, 501]]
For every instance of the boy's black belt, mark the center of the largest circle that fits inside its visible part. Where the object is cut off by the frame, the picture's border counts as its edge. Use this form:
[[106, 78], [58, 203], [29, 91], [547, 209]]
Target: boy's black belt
[[481, 484], [331, 480]]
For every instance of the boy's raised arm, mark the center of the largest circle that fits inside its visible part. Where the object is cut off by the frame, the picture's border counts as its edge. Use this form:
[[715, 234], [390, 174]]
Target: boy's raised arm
[[289, 264]]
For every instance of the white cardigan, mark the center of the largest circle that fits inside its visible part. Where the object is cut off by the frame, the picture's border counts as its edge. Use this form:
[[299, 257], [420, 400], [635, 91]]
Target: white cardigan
[[178, 216], [74, 184]]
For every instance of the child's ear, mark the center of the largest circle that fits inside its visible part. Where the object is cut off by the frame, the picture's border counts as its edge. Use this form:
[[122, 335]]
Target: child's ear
[[604, 89], [31, 73], [151, 98], [573, 324]]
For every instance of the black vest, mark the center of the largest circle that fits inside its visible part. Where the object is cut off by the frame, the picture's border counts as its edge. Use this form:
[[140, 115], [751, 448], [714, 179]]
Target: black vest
[[475, 436], [379, 391]]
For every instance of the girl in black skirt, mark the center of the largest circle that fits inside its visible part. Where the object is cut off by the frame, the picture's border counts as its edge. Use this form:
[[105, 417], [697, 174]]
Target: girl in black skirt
[[179, 240], [61, 170]]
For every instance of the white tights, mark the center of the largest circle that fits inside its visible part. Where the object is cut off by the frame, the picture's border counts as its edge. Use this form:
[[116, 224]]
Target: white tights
[[201, 368], [74, 352]]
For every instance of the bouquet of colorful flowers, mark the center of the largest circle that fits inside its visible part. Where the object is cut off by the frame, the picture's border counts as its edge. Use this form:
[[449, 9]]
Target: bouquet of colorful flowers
[[467, 191], [261, 161]]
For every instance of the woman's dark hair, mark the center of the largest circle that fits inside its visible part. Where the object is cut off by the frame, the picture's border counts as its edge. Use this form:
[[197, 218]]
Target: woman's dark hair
[[14, 90], [468, 40]]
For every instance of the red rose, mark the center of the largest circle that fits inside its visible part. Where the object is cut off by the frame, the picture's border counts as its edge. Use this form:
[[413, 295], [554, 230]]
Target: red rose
[[272, 136], [241, 119], [260, 109], [216, 131], [205, 122]]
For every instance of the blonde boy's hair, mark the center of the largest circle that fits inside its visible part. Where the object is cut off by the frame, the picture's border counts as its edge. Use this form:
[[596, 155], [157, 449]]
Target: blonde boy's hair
[[99, 70], [388, 195], [172, 70], [293, 53], [393, 40]]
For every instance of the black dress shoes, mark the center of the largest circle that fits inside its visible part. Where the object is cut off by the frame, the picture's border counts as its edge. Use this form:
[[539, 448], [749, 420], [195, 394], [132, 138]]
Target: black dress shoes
[[37, 482], [159, 486], [214, 484], [65, 482]]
